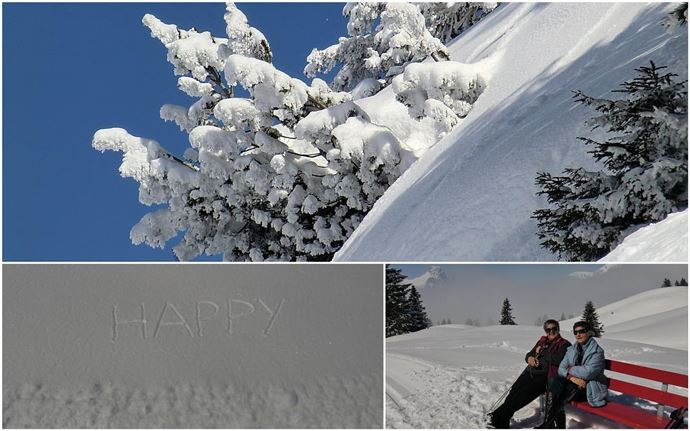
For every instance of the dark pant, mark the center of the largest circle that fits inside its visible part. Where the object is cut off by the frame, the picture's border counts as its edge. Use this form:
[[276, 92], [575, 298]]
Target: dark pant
[[561, 392], [526, 388]]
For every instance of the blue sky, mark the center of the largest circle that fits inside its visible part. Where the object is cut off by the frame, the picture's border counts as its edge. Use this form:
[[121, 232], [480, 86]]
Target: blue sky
[[476, 291], [71, 69]]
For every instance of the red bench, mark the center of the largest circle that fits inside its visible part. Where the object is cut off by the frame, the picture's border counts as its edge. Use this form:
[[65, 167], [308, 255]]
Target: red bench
[[632, 416]]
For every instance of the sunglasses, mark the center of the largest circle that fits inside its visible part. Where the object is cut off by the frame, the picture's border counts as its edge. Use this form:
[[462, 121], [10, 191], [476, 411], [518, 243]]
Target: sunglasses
[[551, 329], [579, 331]]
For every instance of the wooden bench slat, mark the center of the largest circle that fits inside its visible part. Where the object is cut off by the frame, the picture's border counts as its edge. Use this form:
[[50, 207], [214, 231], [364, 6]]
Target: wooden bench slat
[[629, 416], [632, 416], [661, 397], [662, 376]]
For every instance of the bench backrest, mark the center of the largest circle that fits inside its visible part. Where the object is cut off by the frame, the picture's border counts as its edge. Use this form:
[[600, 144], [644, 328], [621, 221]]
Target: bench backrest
[[656, 395]]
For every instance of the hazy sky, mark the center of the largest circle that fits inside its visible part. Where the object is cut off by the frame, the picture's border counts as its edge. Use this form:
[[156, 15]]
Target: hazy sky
[[477, 291]]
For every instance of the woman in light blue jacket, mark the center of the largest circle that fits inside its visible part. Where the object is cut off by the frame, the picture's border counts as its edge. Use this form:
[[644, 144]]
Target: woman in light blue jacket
[[580, 375]]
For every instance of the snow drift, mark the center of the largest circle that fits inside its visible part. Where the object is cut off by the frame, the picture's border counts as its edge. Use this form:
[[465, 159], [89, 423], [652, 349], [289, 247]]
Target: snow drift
[[665, 241], [470, 197]]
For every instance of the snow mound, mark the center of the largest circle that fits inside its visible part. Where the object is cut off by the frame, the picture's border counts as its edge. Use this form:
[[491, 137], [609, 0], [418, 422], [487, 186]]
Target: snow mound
[[665, 241], [471, 196]]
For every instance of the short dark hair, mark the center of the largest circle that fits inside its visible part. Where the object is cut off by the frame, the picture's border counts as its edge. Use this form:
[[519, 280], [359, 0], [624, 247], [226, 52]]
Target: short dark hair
[[582, 324], [553, 322]]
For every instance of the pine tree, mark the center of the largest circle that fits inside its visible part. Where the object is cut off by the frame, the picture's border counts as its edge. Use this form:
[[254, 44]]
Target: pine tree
[[666, 283], [646, 170], [416, 316], [397, 320], [562, 317], [373, 55], [288, 172], [592, 318], [448, 20], [507, 314], [683, 282]]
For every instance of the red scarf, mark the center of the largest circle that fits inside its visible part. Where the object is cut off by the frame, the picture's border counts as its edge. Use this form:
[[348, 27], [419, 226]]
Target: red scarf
[[553, 346]]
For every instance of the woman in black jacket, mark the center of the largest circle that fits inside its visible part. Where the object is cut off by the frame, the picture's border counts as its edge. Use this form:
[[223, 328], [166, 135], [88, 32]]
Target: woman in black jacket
[[542, 365]]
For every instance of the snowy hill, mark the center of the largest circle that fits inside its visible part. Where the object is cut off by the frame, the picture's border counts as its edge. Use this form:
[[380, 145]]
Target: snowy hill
[[450, 376], [647, 317], [665, 241], [470, 197]]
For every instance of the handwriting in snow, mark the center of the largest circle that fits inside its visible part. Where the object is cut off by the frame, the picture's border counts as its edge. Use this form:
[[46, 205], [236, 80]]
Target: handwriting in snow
[[170, 316]]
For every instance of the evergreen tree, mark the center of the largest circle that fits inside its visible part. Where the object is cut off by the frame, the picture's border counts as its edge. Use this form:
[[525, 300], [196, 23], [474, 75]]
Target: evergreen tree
[[666, 283], [374, 54], [683, 282], [678, 17], [416, 316], [562, 317], [448, 20], [397, 321], [286, 173], [590, 316], [469, 322], [507, 314], [646, 170]]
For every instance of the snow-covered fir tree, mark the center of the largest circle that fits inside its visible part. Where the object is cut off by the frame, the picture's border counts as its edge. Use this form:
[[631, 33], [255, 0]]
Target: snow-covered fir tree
[[447, 21], [397, 319], [416, 313], [645, 177], [507, 314], [382, 39], [683, 282], [666, 283], [287, 173], [590, 316]]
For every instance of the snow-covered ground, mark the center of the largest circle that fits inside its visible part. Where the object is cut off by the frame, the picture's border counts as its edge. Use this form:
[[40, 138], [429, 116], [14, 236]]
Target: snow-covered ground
[[450, 376], [665, 241], [177, 346], [470, 197]]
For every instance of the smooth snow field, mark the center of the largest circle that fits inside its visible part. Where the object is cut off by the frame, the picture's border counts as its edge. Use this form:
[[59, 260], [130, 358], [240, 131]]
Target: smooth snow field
[[470, 197], [449, 376], [202, 346], [665, 241]]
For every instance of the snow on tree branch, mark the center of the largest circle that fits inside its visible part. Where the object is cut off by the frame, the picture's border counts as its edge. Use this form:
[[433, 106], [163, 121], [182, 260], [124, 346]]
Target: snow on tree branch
[[289, 172]]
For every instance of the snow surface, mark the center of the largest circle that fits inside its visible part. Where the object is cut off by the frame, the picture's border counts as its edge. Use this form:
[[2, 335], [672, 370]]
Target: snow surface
[[665, 241], [294, 347], [450, 376], [470, 197]]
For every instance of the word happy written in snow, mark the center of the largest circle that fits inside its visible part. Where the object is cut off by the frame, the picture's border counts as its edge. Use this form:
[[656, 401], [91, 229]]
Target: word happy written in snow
[[170, 316]]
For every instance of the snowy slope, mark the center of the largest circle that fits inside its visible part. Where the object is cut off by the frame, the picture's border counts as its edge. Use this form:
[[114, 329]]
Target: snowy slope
[[665, 241], [644, 317], [450, 376], [470, 197]]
